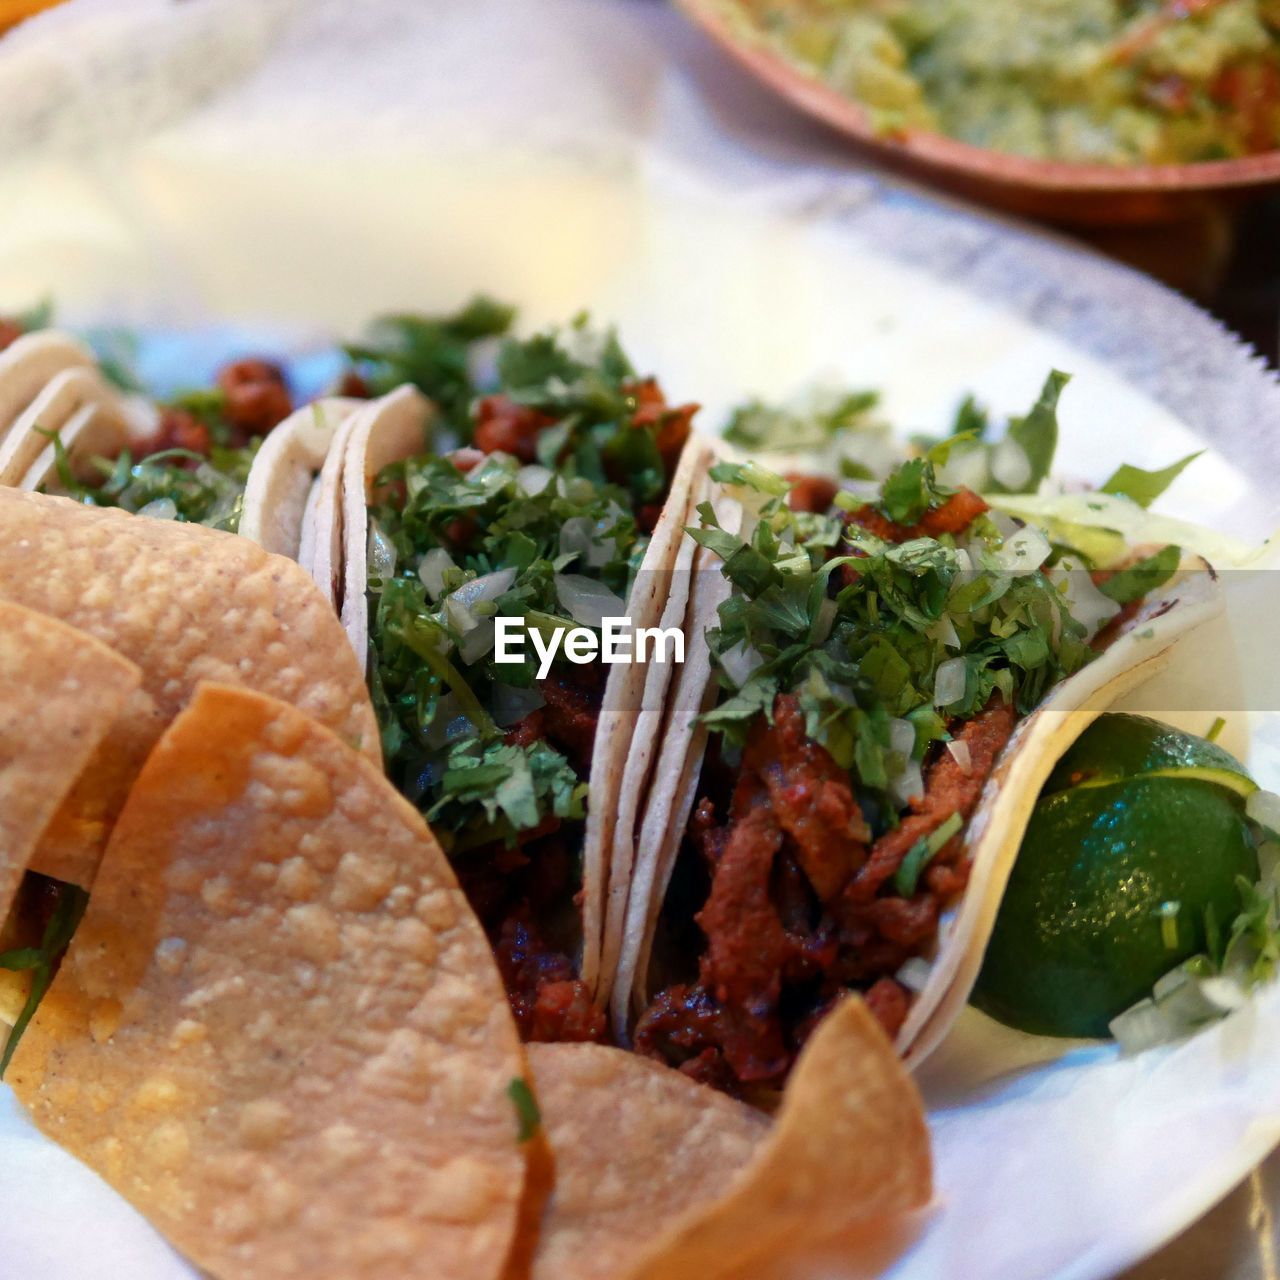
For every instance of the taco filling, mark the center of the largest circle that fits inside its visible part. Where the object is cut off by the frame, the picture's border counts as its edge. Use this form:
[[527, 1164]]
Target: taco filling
[[874, 655], [542, 513], [193, 463]]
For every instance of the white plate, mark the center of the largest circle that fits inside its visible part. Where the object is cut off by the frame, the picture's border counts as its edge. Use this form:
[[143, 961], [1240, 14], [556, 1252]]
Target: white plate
[[614, 168]]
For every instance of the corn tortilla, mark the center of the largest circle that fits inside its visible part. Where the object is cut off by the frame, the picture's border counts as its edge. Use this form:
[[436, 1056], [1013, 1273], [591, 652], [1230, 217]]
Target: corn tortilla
[[995, 831], [283, 471], [849, 1146], [60, 693], [186, 604], [636, 1144], [70, 399], [279, 1032], [28, 363]]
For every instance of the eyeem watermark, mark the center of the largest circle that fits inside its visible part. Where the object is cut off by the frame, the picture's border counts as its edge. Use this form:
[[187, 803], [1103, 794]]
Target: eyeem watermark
[[616, 641]]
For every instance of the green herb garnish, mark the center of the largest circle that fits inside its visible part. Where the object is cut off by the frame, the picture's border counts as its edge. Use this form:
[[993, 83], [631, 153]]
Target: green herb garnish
[[528, 1114], [42, 961]]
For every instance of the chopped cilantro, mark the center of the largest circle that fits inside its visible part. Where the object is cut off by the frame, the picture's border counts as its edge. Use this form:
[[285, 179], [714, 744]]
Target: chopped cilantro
[[910, 491], [901, 611], [208, 491], [444, 739], [435, 353], [1127, 585], [1037, 433], [1144, 487], [528, 1115], [42, 961], [761, 427]]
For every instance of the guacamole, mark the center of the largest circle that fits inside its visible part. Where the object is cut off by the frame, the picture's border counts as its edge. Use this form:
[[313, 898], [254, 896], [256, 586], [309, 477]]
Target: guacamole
[[1090, 81]]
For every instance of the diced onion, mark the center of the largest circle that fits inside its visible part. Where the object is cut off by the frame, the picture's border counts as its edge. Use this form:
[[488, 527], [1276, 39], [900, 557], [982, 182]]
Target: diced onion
[[160, 509], [588, 540], [488, 586], [960, 754], [587, 601], [381, 552], [965, 469], [1225, 993], [432, 570], [478, 641], [533, 479], [908, 785], [914, 973], [1269, 866], [1022, 552], [1263, 807], [902, 737], [949, 684], [739, 662], [511, 705], [1010, 465], [458, 607], [1143, 1026], [1085, 603], [459, 617]]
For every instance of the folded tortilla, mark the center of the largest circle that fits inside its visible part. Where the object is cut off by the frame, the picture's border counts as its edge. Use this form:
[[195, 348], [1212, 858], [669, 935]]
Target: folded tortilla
[[394, 428]]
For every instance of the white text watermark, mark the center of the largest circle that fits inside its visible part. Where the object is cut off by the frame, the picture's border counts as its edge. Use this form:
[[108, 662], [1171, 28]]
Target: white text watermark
[[615, 641]]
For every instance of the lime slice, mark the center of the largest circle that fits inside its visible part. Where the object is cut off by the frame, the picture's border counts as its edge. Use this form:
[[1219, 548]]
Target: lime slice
[[1109, 893], [1121, 746]]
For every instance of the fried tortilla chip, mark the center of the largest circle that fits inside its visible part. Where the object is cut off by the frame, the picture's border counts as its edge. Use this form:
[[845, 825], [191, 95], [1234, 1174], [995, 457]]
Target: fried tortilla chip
[[651, 1165], [71, 847], [186, 604], [849, 1145], [278, 1031], [60, 693], [636, 1144]]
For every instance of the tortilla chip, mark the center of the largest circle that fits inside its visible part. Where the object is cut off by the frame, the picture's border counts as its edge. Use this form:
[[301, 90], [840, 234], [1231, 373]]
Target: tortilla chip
[[60, 692], [278, 1031], [636, 1144], [186, 604], [71, 847], [849, 1146]]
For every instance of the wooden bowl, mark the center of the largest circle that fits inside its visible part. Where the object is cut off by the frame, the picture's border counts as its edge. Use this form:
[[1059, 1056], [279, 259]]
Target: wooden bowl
[[1078, 194]]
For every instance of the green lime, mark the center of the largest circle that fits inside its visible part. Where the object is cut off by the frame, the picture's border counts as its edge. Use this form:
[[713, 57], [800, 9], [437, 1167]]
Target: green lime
[[1109, 893], [1125, 746]]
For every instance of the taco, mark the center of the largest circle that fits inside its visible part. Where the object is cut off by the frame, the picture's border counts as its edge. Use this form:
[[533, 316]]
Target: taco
[[843, 813], [555, 502], [234, 457]]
